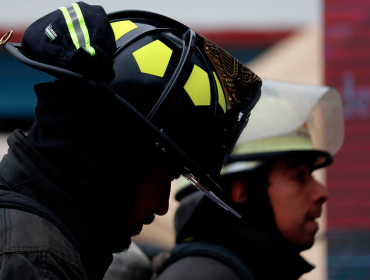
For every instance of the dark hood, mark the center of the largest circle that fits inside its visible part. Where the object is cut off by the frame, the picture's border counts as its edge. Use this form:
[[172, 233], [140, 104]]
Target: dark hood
[[80, 164], [264, 251]]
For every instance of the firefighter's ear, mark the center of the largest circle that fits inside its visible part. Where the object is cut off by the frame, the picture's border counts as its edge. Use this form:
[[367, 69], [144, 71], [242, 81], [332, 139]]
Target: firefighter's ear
[[239, 192]]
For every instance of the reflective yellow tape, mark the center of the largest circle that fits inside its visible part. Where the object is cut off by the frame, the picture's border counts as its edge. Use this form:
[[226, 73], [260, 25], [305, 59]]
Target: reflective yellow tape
[[121, 28], [198, 87], [153, 58], [77, 27], [84, 29], [71, 29]]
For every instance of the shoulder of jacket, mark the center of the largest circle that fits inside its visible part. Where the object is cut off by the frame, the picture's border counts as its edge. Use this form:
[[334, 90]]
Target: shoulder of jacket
[[21, 231], [198, 267], [209, 253]]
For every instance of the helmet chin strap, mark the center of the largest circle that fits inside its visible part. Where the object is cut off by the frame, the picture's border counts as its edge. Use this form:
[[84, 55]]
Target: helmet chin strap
[[210, 194]]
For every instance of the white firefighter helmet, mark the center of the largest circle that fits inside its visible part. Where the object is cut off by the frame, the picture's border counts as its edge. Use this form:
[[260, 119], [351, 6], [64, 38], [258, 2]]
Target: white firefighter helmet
[[290, 119]]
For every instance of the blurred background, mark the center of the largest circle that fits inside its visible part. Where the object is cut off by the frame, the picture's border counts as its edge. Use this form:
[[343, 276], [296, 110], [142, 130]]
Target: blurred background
[[320, 42]]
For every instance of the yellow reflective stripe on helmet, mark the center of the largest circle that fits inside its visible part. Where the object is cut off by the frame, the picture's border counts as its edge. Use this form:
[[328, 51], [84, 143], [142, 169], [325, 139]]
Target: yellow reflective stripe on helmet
[[198, 87], [153, 58], [221, 94], [121, 28], [77, 27]]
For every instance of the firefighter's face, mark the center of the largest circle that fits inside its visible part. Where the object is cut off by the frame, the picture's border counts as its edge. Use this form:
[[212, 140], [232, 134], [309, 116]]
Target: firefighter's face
[[152, 199], [297, 200]]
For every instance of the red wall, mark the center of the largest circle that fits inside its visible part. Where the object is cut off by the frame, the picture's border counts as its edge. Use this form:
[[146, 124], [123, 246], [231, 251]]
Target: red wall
[[347, 58]]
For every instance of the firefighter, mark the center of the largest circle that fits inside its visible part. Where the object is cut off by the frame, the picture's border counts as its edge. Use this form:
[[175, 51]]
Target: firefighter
[[294, 130], [138, 99]]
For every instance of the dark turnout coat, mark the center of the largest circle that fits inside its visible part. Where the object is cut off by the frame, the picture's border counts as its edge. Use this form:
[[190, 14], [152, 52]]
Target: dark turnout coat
[[33, 248], [37, 240]]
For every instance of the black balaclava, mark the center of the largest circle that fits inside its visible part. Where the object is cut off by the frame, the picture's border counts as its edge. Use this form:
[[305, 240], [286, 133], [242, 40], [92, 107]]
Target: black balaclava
[[85, 137]]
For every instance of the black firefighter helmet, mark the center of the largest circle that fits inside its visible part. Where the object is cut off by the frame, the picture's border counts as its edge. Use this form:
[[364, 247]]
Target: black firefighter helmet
[[188, 96]]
